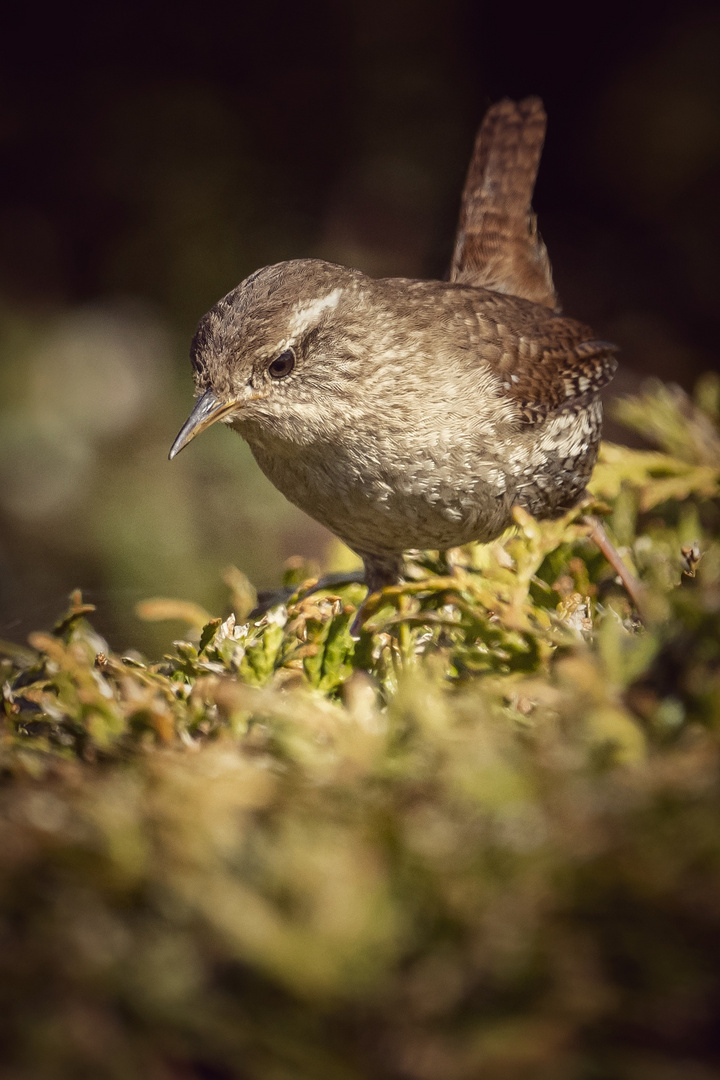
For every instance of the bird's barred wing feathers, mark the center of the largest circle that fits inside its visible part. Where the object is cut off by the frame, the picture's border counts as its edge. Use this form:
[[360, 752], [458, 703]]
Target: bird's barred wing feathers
[[557, 378]]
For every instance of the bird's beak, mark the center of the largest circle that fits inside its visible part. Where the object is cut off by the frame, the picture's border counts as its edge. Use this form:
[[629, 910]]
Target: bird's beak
[[207, 410]]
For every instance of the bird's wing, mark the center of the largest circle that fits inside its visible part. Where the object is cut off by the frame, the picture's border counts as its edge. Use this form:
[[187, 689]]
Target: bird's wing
[[559, 370], [497, 244]]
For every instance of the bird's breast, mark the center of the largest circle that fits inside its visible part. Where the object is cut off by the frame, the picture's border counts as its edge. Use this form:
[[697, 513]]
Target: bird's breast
[[384, 497]]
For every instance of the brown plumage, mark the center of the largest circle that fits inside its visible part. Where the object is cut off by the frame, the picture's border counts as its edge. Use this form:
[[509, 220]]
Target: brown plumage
[[414, 414], [497, 244]]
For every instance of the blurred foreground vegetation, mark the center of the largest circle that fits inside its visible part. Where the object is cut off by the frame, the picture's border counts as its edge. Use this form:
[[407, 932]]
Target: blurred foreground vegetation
[[483, 840]]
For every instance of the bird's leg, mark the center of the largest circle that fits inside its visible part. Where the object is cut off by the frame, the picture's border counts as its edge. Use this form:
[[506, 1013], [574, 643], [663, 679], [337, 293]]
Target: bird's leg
[[446, 563], [380, 570]]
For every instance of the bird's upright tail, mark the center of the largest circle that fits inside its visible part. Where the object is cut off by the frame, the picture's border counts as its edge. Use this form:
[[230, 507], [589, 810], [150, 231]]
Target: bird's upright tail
[[497, 244]]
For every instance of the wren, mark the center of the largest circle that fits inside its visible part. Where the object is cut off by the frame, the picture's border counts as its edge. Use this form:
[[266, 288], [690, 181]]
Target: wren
[[407, 414]]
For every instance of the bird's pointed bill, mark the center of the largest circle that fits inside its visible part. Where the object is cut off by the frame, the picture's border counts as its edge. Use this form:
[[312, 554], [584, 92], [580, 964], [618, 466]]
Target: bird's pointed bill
[[207, 410]]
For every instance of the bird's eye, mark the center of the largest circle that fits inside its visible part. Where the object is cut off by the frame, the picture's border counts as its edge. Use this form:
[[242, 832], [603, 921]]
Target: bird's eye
[[282, 365]]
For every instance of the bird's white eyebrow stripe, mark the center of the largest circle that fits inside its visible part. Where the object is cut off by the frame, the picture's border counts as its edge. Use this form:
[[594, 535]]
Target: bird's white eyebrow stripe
[[303, 316]]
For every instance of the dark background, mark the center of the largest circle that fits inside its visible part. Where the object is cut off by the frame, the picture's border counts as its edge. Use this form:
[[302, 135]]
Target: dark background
[[151, 157]]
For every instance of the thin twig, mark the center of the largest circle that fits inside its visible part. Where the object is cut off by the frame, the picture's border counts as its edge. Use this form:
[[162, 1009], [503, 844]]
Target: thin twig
[[632, 586]]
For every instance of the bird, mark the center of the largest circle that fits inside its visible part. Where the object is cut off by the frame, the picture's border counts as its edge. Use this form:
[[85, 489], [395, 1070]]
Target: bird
[[409, 414]]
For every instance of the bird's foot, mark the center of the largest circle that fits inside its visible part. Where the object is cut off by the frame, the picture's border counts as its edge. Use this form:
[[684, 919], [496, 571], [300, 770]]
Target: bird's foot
[[380, 571]]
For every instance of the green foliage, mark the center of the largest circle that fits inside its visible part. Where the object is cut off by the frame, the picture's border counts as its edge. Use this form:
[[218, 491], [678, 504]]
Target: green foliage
[[483, 840]]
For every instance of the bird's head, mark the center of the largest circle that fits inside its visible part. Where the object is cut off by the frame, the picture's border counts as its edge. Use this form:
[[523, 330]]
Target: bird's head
[[279, 354]]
